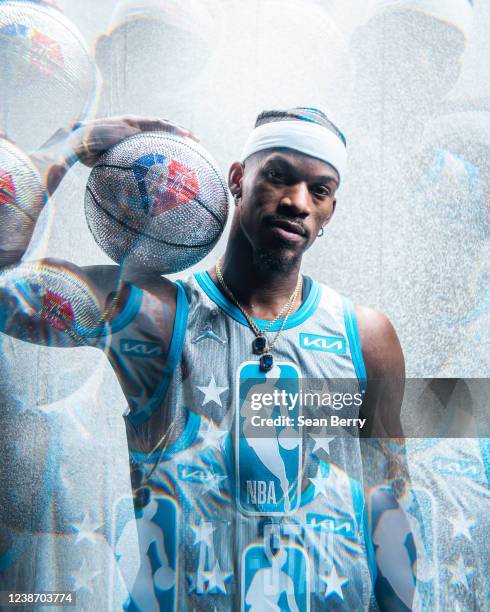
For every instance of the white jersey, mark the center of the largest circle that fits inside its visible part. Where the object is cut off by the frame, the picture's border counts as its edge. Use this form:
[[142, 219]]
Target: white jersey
[[449, 512], [240, 512]]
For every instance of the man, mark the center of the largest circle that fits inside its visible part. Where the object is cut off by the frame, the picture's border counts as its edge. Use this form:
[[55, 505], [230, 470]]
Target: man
[[252, 319]]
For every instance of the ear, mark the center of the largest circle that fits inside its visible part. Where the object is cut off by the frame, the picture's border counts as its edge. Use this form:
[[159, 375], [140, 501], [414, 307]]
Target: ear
[[235, 177], [330, 215]]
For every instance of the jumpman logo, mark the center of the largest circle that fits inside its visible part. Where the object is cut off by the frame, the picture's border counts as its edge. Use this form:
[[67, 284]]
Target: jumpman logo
[[207, 333]]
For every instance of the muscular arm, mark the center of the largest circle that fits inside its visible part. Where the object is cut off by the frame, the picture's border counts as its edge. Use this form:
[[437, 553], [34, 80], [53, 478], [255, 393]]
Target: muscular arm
[[385, 368], [384, 458], [53, 302]]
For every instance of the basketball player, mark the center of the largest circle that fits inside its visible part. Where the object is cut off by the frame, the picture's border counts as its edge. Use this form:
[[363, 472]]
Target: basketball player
[[187, 355]]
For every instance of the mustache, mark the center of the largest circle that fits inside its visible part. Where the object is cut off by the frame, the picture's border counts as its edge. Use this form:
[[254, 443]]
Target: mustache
[[275, 219]]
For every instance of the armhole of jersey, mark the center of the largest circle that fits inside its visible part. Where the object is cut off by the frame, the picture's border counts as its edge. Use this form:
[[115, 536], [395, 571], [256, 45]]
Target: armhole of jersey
[[130, 310], [178, 332], [350, 321], [173, 356], [360, 510]]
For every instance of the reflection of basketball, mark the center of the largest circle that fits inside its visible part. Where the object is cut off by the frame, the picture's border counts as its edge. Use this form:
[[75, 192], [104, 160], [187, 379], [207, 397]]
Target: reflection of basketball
[[158, 201], [47, 74], [21, 198], [55, 295]]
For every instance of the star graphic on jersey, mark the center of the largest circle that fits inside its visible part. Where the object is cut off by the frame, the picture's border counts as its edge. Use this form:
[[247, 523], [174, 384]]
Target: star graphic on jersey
[[203, 532], [334, 584], [321, 442], [84, 576], [212, 435], [459, 572], [216, 579], [86, 530], [196, 583], [212, 392], [320, 482], [461, 526], [207, 333], [213, 482]]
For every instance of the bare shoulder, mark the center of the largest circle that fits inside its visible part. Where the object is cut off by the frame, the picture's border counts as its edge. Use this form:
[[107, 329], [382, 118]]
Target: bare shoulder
[[381, 349], [108, 279]]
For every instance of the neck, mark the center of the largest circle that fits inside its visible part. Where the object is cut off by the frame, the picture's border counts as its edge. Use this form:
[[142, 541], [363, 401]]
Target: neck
[[260, 291]]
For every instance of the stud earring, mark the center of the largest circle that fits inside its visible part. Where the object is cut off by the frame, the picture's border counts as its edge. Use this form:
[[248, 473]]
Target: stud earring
[[320, 233], [236, 197]]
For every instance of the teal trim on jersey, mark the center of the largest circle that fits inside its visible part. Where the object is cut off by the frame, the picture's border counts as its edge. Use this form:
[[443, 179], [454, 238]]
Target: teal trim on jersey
[[352, 331], [184, 441], [485, 456], [360, 510], [130, 310], [174, 353], [180, 327], [305, 311]]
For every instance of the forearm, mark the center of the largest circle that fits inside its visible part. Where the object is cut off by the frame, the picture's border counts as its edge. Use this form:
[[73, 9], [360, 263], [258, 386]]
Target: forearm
[[57, 156]]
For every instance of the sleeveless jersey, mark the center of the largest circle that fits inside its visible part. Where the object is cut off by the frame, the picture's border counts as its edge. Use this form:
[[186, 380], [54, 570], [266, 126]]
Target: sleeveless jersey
[[244, 521]]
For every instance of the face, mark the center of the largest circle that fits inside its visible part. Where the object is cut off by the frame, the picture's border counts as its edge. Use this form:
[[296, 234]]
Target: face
[[285, 199]]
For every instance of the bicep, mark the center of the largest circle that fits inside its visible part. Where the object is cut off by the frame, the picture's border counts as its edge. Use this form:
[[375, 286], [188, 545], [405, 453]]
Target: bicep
[[145, 347], [385, 368]]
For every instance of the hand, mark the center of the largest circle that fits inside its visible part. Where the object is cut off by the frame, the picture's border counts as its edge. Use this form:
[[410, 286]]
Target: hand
[[94, 137]]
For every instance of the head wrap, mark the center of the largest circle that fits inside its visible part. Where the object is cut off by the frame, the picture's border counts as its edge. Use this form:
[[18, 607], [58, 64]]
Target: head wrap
[[192, 16], [305, 130], [456, 13]]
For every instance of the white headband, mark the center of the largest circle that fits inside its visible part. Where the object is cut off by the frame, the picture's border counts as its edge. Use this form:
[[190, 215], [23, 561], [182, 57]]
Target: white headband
[[303, 136]]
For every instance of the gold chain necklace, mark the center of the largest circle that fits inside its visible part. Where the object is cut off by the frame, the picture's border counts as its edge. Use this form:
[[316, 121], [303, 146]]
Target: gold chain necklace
[[260, 345]]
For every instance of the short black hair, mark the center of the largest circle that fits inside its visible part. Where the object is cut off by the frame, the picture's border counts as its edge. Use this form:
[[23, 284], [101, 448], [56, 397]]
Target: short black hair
[[300, 113]]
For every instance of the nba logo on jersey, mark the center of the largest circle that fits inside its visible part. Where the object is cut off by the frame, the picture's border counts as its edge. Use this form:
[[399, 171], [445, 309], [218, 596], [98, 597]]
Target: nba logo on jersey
[[277, 581], [7, 188], [146, 551], [269, 456], [164, 183], [423, 515]]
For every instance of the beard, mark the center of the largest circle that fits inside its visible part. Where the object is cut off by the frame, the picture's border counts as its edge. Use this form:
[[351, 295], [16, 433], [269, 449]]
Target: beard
[[275, 261]]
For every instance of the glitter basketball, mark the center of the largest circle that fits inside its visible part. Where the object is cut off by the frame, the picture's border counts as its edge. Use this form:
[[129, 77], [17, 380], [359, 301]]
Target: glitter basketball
[[158, 201], [47, 77], [21, 196]]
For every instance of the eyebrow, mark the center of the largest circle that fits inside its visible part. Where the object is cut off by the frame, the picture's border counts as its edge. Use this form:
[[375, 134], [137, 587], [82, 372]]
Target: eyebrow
[[326, 178]]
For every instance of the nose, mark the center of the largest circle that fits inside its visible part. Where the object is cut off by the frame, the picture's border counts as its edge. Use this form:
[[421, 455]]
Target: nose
[[296, 199]]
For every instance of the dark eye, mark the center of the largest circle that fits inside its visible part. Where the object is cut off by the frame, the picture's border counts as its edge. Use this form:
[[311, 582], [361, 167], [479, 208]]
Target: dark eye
[[274, 175], [322, 191]]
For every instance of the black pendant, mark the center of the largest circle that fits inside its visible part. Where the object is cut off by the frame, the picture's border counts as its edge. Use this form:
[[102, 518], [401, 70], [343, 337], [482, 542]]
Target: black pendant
[[266, 362], [259, 345], [142, 497]]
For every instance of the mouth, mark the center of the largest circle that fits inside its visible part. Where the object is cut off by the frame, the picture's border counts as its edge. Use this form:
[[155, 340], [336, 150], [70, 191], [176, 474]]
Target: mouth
[[288, 231]]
